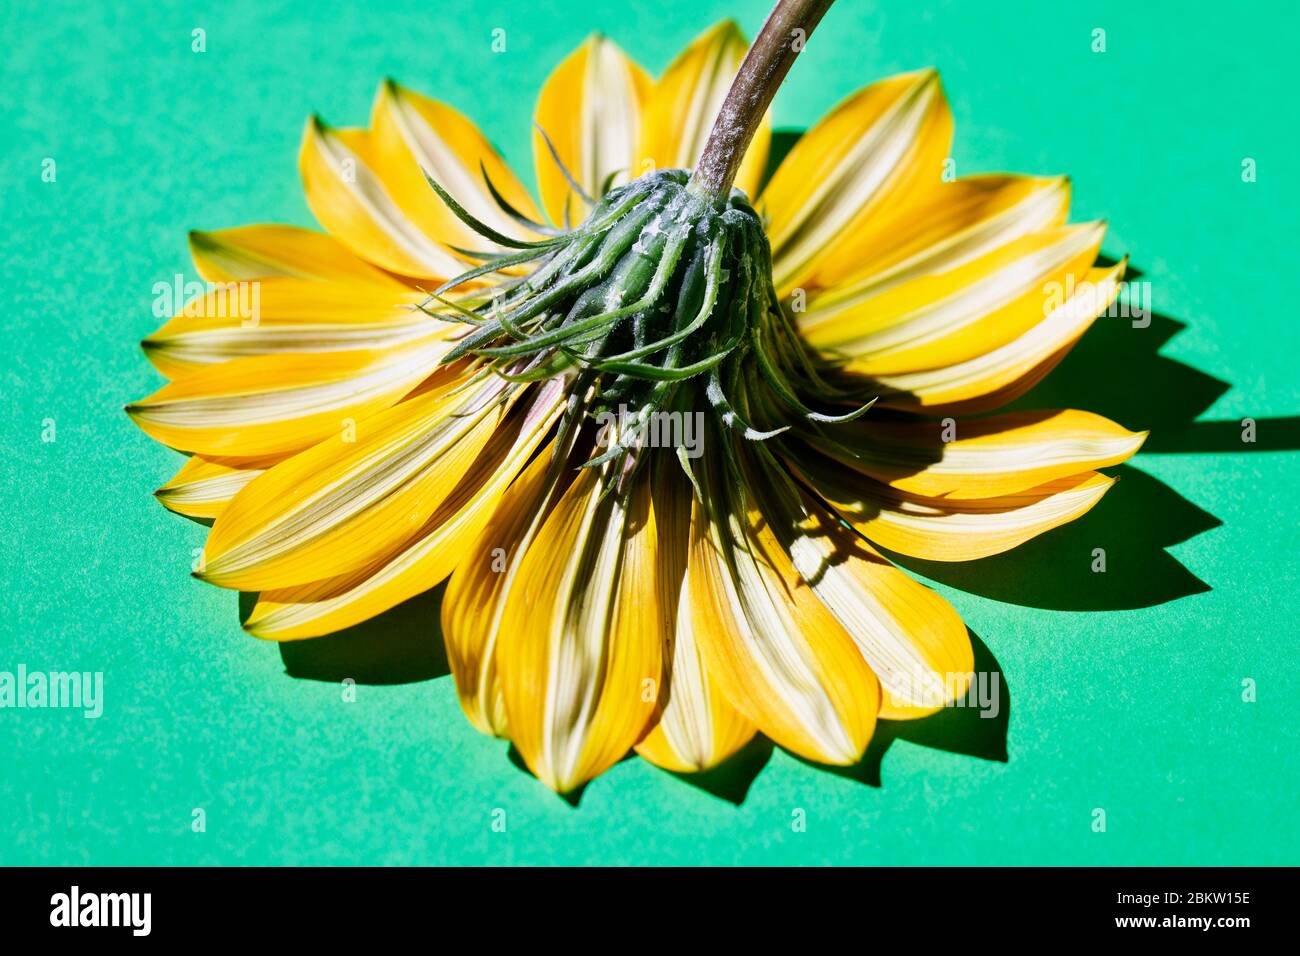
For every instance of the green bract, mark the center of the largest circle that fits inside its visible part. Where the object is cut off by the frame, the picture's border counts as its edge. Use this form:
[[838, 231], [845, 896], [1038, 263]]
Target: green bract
[[662, 300]]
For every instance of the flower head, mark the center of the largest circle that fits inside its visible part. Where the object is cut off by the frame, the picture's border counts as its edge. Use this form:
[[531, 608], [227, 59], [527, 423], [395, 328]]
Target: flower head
[[653, 434]]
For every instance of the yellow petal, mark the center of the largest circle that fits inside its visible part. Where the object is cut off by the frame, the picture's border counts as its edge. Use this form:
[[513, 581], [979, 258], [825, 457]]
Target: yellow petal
[[336, 603], [349, 199], [288, 315], [475, 599], [590, 109], [683, 105], [913, 640], [875, 152], [981, 458], [950, 529], [942, 319], [945, 227], [413, 136], [261, 252], [341, 505], [204, 486], [274, 404], [697, 727], [1009, 371], [580, 656], [778, 654]]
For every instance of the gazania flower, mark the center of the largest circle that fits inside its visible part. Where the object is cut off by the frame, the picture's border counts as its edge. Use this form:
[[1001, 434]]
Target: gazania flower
[[653, 428]]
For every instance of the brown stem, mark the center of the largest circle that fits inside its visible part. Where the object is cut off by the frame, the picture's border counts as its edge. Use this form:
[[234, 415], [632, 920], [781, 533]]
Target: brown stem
[[783, 36]]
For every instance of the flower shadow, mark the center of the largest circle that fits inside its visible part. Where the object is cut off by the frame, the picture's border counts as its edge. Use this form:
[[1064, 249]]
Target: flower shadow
[[976, 729], [401, 646], [1117, 370]]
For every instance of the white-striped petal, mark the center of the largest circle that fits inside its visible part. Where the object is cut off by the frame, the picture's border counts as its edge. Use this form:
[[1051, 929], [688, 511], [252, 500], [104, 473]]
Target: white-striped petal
[[203, 487], [288, 315], [580, 656], [341, 505], [875, 147], [913, 640], [275, 404], [978, 458], [349, 199], [590, 110], [950, 529], [999, 376], [336, 603], [946, 318], [953, 224]]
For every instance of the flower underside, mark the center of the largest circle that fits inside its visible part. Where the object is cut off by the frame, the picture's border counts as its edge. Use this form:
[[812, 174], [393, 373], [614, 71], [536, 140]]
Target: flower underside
[[352, 454], [661, 301]]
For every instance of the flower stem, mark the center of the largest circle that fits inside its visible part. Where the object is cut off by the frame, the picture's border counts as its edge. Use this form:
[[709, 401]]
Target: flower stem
[[782, 38]]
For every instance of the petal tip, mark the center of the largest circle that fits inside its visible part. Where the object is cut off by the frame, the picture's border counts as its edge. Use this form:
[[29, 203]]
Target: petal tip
[[729, 27]]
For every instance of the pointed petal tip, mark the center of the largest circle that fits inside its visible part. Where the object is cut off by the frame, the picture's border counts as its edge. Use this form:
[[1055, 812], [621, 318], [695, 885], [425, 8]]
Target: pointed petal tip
[[254, 629], [201, 243], [730, 26], [846, 758]]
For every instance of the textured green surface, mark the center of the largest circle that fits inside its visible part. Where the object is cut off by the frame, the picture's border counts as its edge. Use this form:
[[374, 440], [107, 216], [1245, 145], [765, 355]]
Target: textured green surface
[[1125, 687]]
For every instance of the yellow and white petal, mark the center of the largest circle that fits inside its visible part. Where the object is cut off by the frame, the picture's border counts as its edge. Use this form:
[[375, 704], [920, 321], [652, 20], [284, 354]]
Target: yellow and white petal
[[341, 505], [475, 600], [1009, 371], [347, 197], [413, 136], [275, 404], [204, 486], [288, 315], [266, 251], [580, 655], [330, 605], [778, 654], [697, 727], [946, 226], [680, 111], [875, 152], [942, 319], [590, 108], [983, 457], [950, 529], [912, 639]]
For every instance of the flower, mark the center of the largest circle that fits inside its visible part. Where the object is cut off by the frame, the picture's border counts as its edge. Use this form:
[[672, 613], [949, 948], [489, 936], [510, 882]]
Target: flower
[[454, 381]]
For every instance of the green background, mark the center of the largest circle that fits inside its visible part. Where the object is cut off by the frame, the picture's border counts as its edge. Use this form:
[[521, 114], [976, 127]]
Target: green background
[[1123, 689]]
